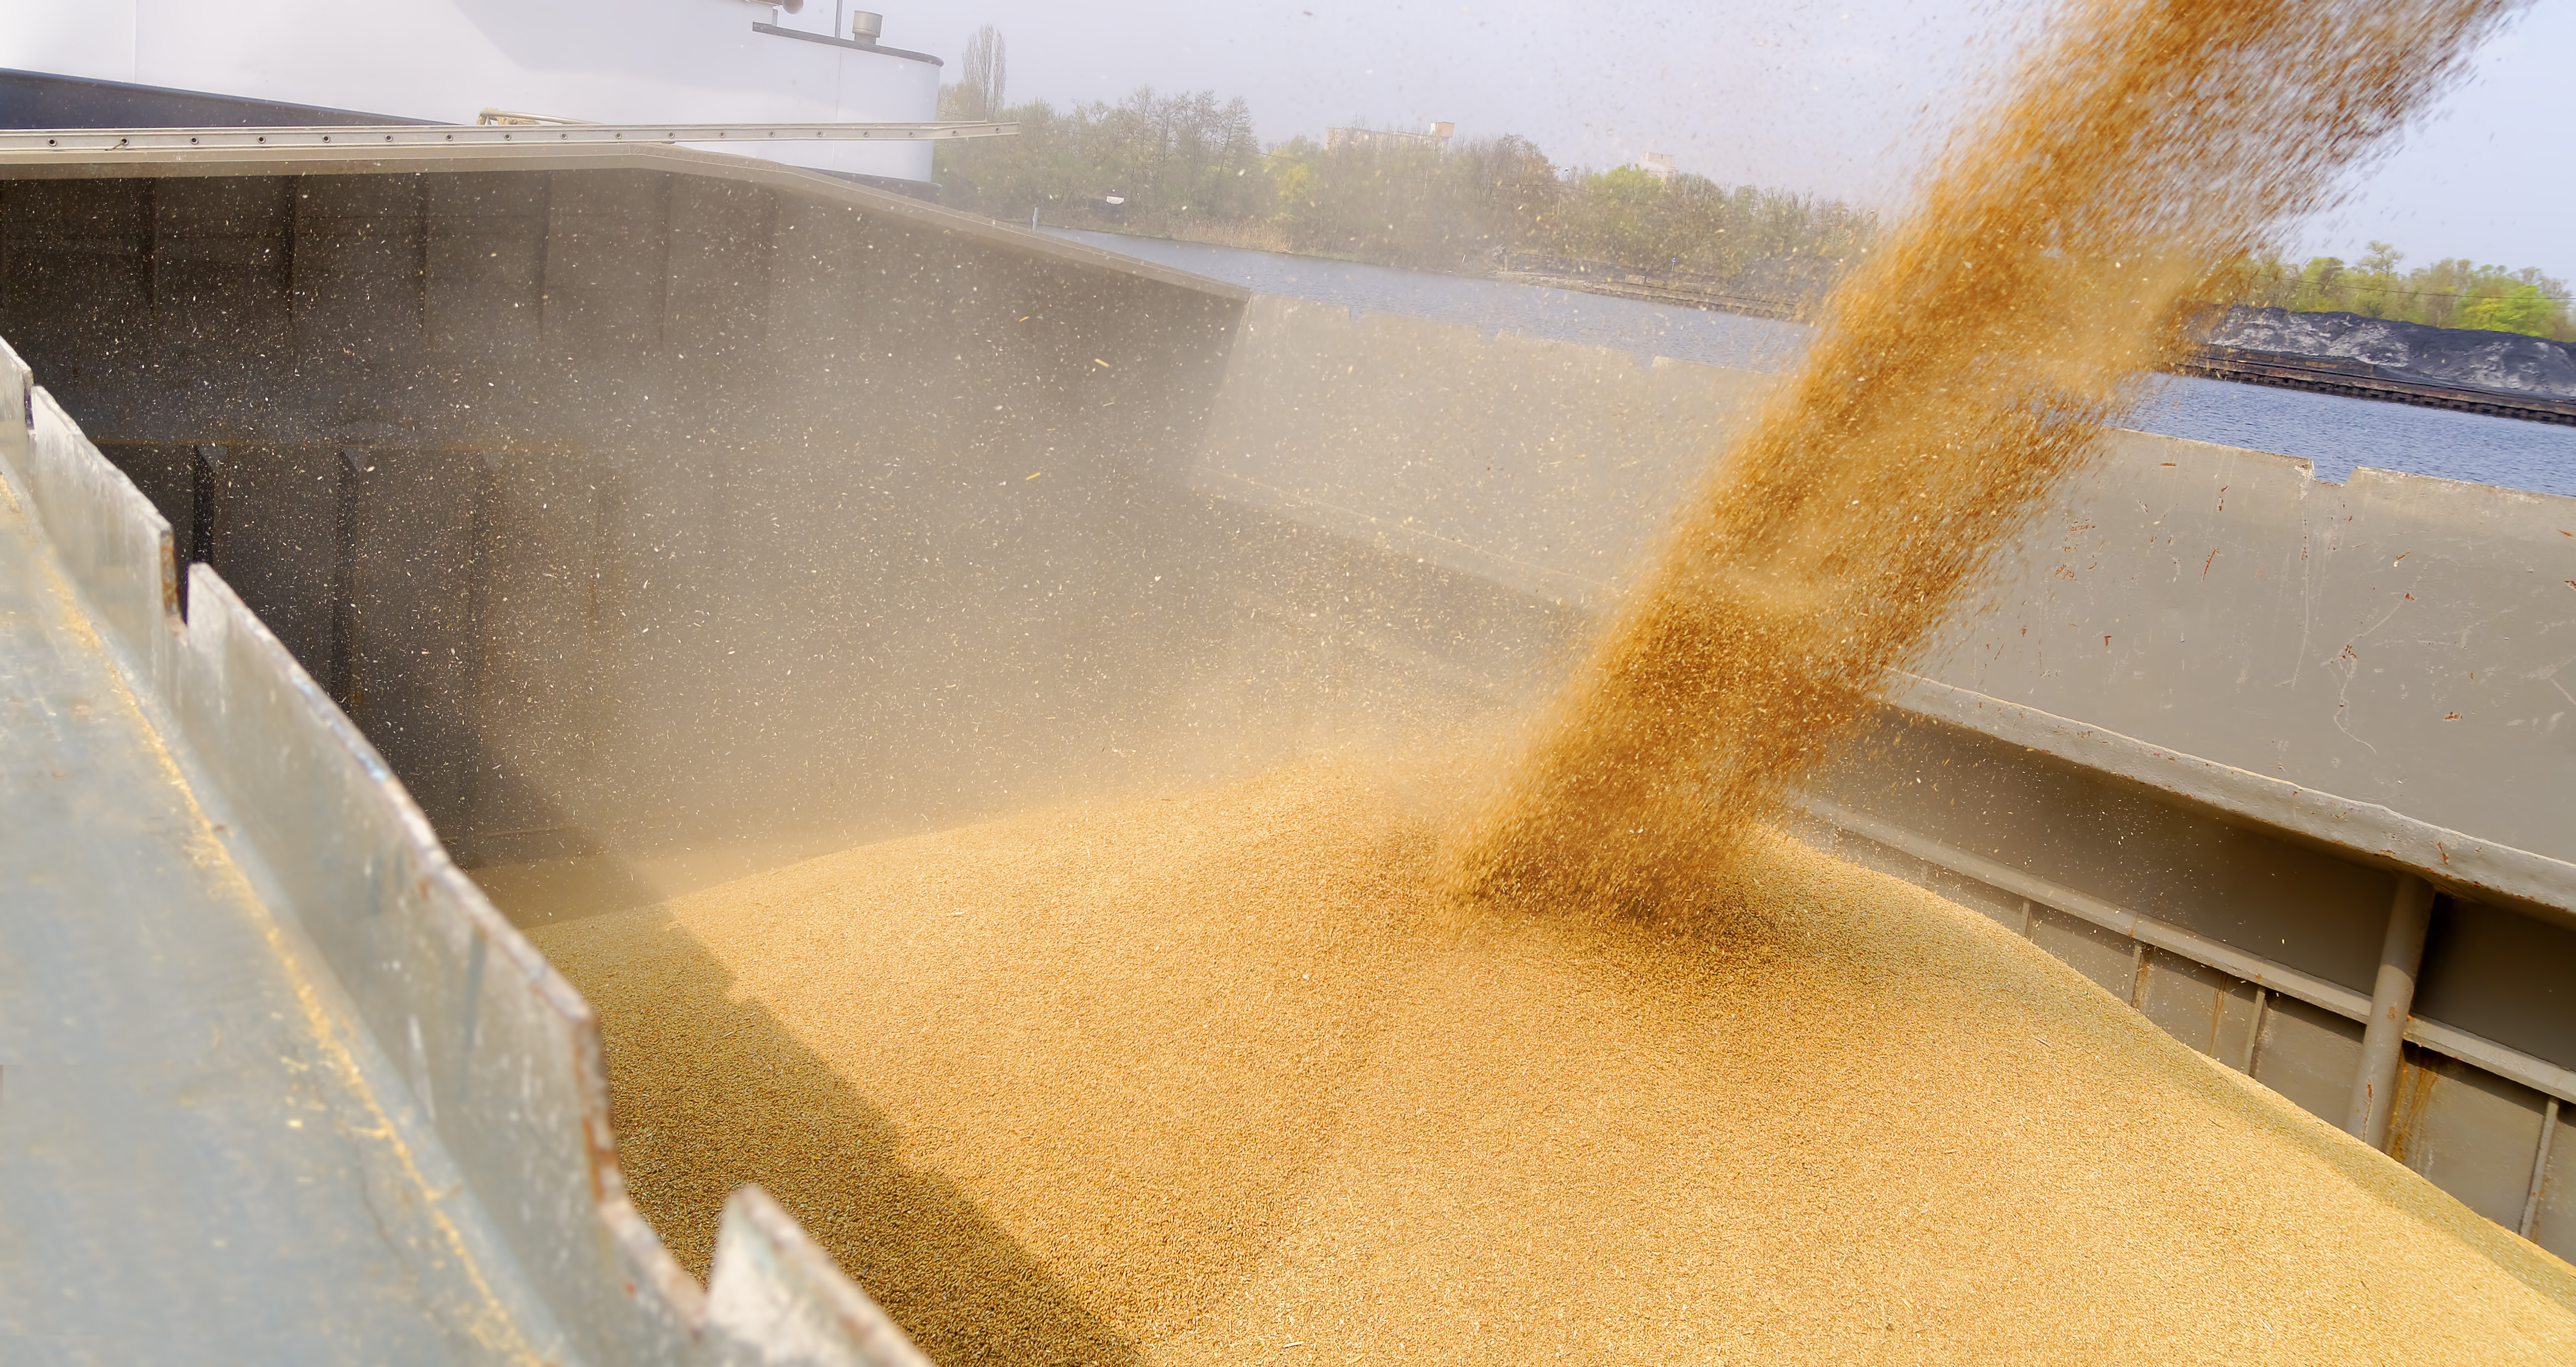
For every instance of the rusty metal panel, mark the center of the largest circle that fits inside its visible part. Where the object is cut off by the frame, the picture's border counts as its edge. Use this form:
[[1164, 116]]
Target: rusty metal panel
[[483, 255], [2005, 909], [273, 530], [2105, 956], [2240, 1023], [2309, 1056], [75, 277], [2204, 1008], [2553, 1223], [2508, 977], [2469, 1132], [410, 655]]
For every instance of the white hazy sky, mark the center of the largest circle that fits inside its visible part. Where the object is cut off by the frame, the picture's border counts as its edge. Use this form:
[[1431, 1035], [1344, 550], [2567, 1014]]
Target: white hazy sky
[[1837, 98]]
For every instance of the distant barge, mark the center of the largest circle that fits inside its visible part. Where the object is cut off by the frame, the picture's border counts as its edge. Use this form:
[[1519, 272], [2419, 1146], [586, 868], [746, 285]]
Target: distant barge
[[2280, 370], [2362, 380]]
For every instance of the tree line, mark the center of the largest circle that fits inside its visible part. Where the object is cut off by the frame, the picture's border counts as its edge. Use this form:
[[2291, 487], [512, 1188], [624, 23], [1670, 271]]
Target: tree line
[[2455, 292], [1190, 166]]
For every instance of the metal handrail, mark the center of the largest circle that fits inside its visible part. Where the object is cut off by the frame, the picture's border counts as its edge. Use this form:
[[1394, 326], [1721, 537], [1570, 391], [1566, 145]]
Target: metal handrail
[[484, 135]]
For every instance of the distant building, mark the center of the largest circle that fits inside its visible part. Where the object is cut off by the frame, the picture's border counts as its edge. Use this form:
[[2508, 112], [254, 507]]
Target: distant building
[[1436, 138], [1657, 164]]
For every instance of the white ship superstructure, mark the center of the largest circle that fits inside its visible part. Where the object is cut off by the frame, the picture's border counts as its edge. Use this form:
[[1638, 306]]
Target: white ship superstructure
[[447, 61]]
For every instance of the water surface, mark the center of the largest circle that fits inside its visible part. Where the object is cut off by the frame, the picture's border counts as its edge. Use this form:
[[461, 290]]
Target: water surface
[[2334, 432]]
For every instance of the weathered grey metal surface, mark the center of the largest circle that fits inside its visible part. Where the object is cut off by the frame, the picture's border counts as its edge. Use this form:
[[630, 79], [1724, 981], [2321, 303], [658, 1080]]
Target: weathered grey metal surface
[[199, 1159], [1544, 466], [160, 164], [2395, 641], [2450, 858], [548, 547], [229, 926]]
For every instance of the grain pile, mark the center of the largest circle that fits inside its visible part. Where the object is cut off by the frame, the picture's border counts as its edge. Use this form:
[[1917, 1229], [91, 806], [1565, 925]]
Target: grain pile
[[1961, 372], [1220, 1079]]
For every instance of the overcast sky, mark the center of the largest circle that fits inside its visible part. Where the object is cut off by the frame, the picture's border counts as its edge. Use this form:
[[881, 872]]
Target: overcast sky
[[1833, 98]]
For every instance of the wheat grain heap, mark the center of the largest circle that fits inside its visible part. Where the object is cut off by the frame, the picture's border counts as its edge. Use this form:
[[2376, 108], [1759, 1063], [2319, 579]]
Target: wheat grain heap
[[1221, 1079]]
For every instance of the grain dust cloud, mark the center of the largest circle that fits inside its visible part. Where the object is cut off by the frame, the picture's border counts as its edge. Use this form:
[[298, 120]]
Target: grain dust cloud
[[1314, 1067], [1961, 372]]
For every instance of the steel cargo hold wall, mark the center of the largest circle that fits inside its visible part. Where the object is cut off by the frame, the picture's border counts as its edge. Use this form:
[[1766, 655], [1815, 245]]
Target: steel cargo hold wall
[[610, 502], [455, 1193]]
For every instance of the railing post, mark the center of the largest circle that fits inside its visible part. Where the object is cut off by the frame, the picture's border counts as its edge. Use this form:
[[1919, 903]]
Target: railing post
[[2392, 1000]]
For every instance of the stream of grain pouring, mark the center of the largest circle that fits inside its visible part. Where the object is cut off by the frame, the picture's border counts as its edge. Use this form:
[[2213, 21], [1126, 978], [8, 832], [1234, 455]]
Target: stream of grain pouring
[[1961, 372]]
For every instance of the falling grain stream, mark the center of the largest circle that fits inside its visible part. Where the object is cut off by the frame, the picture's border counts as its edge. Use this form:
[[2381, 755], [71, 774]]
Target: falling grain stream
[[1588, 1061]]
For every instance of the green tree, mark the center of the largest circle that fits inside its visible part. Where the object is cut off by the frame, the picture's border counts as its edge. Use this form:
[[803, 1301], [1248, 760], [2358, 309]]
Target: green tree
[[1188, 165], [2319, 288], [2451, 292], [2524, 310], [1164, 156], [2374, 285]]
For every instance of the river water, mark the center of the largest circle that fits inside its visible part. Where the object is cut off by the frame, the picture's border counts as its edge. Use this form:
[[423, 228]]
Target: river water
[[2333, 432]]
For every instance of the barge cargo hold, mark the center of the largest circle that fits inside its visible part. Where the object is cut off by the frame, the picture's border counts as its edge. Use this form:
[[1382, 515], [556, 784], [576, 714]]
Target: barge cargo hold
[[607, 504]]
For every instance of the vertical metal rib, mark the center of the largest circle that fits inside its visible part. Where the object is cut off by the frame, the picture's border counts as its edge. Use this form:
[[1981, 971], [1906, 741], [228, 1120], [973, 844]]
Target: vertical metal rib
[[2383, 1043], [2539, 1168], [2254, 1032]]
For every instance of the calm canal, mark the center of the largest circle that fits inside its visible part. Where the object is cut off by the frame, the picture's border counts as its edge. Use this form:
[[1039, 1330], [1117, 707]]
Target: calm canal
[[2335, 433]]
